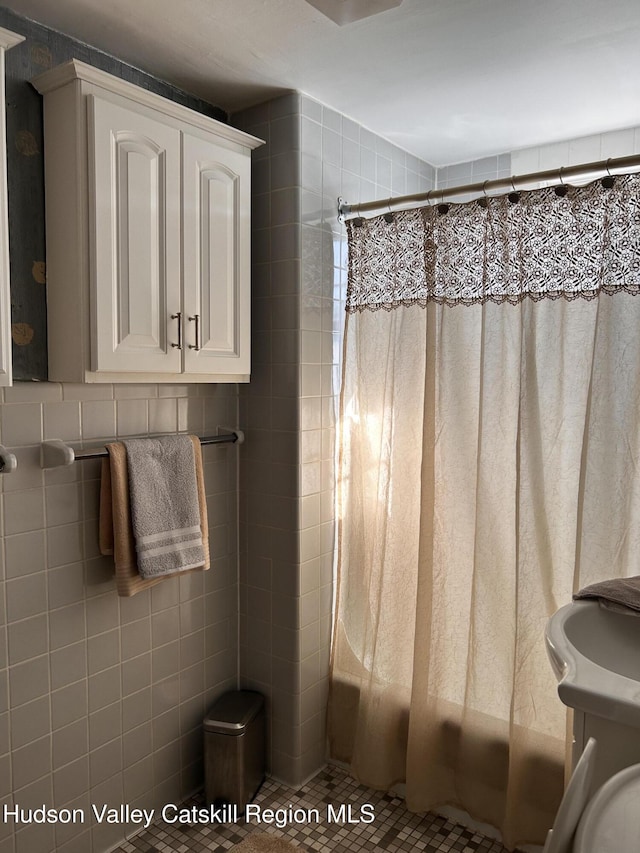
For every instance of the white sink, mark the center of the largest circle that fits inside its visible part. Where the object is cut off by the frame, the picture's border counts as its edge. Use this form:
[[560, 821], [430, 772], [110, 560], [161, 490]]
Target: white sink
[[595, 654]]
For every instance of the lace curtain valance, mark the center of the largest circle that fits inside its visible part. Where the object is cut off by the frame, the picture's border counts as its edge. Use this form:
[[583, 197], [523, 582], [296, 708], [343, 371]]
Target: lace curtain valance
[[545, 245]]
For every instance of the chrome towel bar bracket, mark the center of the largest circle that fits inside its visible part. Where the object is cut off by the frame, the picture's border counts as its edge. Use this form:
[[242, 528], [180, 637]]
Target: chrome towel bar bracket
[[8, 461], [55, 453]]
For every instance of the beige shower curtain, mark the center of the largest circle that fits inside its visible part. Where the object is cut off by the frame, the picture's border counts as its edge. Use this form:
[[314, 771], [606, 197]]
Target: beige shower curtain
[[489, 467]]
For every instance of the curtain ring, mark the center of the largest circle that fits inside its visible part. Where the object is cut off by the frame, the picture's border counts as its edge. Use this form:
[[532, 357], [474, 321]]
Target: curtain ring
[[561, 191], [388, 216], [514, 195], [608, 181], [484, 201], [443, 207]]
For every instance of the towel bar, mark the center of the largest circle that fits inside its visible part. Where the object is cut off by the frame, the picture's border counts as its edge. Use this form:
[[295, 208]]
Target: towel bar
[[8, 461], [55, 453]]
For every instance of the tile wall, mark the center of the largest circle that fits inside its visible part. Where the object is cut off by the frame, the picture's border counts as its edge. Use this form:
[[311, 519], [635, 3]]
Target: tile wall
[[313, 155], [101, 697], [572, 152]]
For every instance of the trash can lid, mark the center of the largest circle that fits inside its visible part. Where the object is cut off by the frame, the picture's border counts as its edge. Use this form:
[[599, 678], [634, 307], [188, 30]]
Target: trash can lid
[[232, 712]]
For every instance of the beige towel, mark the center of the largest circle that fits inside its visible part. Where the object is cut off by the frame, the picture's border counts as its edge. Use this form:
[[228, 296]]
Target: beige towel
[[621, 591], [115, 530]]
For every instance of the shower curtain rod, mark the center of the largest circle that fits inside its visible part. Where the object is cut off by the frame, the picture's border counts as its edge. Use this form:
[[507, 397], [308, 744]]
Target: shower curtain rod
[[406, 202]]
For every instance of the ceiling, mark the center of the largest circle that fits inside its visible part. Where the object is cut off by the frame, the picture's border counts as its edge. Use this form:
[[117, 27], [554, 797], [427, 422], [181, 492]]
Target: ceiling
[[448, 80]]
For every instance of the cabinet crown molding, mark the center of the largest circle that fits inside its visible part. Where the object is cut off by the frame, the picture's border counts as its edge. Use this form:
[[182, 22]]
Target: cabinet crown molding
[[9, 39], [77, 70]]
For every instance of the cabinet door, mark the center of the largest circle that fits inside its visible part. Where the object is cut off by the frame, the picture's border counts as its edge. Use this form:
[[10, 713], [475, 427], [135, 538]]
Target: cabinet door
[[134, 196], [216, 263]]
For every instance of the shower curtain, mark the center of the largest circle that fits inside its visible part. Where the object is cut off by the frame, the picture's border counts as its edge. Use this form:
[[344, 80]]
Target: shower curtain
[[489, 467]]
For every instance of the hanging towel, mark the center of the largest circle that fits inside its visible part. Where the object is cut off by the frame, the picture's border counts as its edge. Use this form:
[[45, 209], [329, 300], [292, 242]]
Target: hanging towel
[[621, 591], [165, 514], [116, 535]]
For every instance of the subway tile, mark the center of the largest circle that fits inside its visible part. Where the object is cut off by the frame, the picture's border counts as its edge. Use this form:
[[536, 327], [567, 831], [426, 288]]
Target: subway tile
[[98, 419], [33, 392], [62, 420], [23, 511], [163, 416], [67, 625], [102, 614], [165, 661], [284, 134], [70, 743], [398, 179], [383, 173], [63, 503], [68, 704], [311, 137], [69, 833], [285, 242], [166, 759], [105, 725], [585, 149], [311, 172], [486, 168], [135, 607], [191, 415], [138, 779], [285, 171], [164, 595], [165, 694], [136, 674], [24, 554], [65, 584], [136, 709], [311, 108], [105, 762], [617, 143], [68, 664], [135, 638], [284, 105], [82, 392], [71, 781], [26, 596], [191, 681], [29, 722], [191, 616], [135, 391], [104, 689], [21, 424], [165, 626], [132, 417], [35, 838], [332, 119], [137, 744], [31, 762], [27, 639]]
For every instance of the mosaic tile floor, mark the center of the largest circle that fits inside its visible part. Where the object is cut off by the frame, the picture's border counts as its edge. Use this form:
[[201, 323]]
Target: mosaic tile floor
[[315, 817]]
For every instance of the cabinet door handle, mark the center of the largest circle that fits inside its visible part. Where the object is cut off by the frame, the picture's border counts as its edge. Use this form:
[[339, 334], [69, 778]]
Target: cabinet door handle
[[178, 317], [196, 346]]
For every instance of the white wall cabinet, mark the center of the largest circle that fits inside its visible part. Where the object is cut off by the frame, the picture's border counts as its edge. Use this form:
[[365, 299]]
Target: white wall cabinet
[[7, 40], [148, 235]]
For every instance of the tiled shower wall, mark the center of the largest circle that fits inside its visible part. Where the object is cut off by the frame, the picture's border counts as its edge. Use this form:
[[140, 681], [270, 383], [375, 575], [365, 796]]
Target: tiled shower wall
[[101, 697], [313, 155]]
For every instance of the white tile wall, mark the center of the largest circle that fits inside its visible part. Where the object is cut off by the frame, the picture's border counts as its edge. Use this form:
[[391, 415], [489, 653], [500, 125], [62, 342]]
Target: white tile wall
[[100, 696], [586, 149], [300, 261]]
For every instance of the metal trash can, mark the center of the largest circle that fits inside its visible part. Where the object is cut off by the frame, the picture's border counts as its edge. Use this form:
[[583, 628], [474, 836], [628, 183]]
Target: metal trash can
[[234, 749]]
